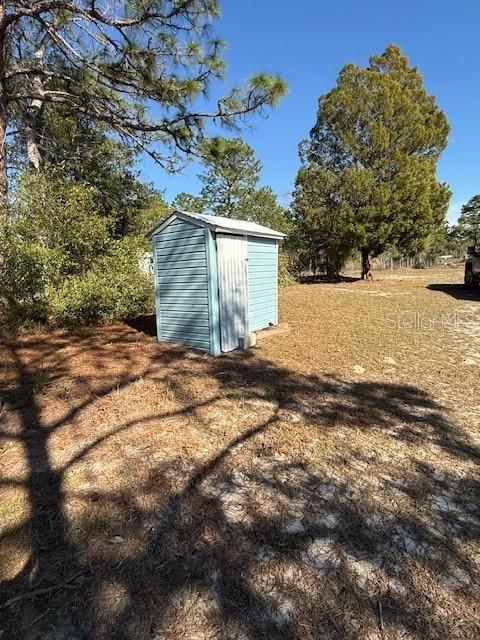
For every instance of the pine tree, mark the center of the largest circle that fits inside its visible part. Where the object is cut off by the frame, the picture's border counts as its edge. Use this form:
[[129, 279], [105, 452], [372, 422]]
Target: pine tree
[[137, 68], [187, 202], [262, 207], [231, 175], [229, 189], [468, 224], [368, 179]]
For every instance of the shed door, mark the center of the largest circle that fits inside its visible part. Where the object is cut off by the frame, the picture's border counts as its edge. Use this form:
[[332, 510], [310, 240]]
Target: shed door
[[232, 289]]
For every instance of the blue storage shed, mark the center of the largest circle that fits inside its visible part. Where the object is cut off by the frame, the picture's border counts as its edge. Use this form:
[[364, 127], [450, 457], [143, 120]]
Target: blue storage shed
[[216, 280]]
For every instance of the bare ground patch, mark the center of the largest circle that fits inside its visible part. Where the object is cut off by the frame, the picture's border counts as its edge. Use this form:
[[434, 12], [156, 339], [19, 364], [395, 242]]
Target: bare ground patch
[[324, 485]]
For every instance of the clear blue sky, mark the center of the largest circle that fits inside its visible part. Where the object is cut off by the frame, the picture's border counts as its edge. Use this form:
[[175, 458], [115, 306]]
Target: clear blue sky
[[308, 41]]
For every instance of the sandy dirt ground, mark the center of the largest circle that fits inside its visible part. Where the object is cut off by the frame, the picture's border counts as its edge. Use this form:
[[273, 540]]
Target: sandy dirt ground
[[322, 485]]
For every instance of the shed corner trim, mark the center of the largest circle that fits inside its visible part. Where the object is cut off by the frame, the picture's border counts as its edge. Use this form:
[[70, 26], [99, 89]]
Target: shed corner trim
[[214, 315]]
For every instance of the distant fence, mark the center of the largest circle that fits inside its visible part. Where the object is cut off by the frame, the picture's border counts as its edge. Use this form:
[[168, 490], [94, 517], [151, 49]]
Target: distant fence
[[390, 262]]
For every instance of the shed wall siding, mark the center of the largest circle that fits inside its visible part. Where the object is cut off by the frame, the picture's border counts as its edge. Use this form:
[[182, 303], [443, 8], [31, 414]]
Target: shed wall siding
[[181, 285], [262, 283]]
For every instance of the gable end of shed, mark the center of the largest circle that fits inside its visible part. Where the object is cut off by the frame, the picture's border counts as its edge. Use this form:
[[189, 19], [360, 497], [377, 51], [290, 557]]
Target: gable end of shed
[[182, 299]]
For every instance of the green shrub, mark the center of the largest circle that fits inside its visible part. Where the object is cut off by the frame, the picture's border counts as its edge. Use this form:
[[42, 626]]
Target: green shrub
[[27, 269], [83, 300], [58, 262], [62, 216], [113, 290], [133, 289]]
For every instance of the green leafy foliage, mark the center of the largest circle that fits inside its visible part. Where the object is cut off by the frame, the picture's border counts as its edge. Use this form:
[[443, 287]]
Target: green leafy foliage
[[230, 175], [368, 178], [83, 300], [188, 202], [62, 217], [230, 180], [140, 70], [76, 150], [60, 262], [113, 289], [27, 269], [468, 226], [438, 242], [261, 206], [150, 212]]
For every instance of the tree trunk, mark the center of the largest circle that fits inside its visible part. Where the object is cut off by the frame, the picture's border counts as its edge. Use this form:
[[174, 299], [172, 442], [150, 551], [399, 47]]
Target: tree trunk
[[3, 163], [333, 267], [365, 265], [34, 115], [3, 122]]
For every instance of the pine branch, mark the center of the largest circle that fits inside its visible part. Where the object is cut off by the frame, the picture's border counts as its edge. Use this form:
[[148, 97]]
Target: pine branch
[[112, 67]]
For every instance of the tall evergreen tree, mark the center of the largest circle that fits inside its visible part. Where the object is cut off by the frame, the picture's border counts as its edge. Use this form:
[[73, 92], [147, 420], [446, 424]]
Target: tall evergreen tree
[[229, 189], [262, 207], [142, 69], [188, 202], [230, 176], [468, 225], [368, 178]]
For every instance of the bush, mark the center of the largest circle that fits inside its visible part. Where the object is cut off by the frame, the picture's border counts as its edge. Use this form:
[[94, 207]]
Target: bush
[[83, 300], [27, 269], [58, 262], [113, 290], [62, 216], [133, 289]]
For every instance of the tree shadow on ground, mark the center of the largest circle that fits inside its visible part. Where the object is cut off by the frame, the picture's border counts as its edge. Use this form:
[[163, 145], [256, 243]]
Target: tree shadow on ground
[[299, 525], [326, 279], [458, 291]]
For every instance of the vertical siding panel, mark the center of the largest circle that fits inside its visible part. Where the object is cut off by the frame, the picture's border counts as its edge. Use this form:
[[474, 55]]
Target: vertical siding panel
[[276, 281], [182, 290], [262, 282], [157, 292]]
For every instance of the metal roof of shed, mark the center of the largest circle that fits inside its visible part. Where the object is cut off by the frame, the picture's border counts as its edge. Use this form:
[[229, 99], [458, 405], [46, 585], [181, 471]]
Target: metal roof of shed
[[220, 224]]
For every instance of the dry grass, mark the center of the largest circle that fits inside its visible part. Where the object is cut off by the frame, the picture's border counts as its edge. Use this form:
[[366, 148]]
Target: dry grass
[[324, 485]]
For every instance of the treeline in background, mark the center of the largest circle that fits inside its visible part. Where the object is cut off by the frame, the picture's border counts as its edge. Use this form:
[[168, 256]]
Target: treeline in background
[[85, 94]]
